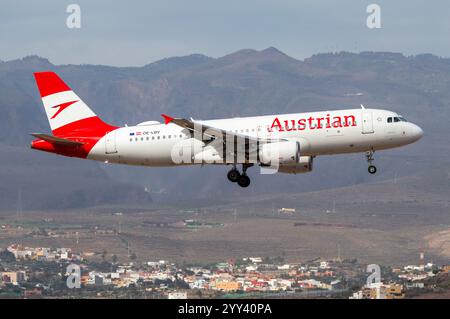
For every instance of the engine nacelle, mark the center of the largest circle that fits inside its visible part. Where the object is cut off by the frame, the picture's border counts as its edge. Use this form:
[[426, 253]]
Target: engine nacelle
[[285, 156], [276, 154]]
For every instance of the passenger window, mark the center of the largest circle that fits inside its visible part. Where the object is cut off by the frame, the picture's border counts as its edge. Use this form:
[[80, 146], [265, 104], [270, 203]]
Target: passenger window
[[158, 137], [131, 140], [147, 138], [153, 137], [389, 119]]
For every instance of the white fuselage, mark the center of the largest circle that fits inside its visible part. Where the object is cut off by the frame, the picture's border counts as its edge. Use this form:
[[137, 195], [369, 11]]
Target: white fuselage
[[319, 133]]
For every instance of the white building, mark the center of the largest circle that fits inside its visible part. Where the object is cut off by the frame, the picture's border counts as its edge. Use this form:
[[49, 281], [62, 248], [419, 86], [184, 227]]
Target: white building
[[324, 265], [251, 268], [284, 267], [177, 295], [255, 259]]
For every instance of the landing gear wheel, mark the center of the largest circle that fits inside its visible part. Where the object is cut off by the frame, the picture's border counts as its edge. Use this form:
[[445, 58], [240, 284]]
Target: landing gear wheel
[[243, 181], [233, 175], [369, 156]]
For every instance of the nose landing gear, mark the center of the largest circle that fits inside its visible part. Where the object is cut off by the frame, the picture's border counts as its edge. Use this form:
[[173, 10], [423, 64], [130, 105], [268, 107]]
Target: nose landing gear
[[369, 156], [235, 176]]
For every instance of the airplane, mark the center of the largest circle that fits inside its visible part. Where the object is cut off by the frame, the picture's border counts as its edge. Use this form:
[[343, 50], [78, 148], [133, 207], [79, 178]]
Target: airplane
[[286, 143]]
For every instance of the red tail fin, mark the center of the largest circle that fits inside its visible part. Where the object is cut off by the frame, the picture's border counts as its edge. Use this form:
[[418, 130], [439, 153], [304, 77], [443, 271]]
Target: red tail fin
[[67, 114], [75, 127]]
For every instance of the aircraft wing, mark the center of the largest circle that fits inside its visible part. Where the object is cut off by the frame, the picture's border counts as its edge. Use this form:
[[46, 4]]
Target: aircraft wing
[[218, 138], [55, 140], [214, 132]]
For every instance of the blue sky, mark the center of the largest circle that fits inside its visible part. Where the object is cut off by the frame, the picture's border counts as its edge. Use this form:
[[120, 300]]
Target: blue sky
[[133, 33]]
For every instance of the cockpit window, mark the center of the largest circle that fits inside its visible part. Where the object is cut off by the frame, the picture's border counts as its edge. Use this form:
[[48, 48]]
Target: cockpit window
[[396, 119]]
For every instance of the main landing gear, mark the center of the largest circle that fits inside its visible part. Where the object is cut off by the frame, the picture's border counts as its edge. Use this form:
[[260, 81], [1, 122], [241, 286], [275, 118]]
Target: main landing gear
[[236, 177], [369, 156]]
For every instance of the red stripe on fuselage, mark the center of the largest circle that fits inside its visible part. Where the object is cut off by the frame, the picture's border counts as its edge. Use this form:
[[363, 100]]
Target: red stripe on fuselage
[[87, 131]]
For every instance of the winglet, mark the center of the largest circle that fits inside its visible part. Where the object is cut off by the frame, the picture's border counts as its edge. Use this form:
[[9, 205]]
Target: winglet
[[362, 106], [167, 118]]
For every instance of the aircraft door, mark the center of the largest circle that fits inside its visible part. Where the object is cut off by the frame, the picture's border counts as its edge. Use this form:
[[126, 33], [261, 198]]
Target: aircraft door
[[261, 131], [110, 143], [367, 122]]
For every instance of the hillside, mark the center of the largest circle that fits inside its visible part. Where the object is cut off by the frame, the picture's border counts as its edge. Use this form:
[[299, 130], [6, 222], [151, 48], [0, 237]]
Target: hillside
[[247, 82]]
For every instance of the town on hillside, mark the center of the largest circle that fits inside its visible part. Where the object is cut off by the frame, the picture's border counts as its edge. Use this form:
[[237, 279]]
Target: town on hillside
[[43, 272]]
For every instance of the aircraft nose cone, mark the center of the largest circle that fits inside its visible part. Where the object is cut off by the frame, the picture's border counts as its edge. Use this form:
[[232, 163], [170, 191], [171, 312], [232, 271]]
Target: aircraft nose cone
[[416, 132]]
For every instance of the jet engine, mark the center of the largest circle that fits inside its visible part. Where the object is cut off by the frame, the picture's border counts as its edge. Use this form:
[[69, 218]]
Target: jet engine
[[279, 153], [286, 157]]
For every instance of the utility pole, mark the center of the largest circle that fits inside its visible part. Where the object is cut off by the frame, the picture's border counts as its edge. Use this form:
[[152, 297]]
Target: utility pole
[[19, 205]]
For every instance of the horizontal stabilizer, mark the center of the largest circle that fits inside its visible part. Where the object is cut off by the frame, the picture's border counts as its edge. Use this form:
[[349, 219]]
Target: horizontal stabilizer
[[55, 140]]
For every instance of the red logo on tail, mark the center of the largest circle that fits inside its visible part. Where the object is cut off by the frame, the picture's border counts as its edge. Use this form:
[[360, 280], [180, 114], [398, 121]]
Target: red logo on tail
[[62, 107]]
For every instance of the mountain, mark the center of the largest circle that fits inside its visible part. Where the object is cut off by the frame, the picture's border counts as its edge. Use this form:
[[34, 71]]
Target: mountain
[[40, 181], [244, 83]]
